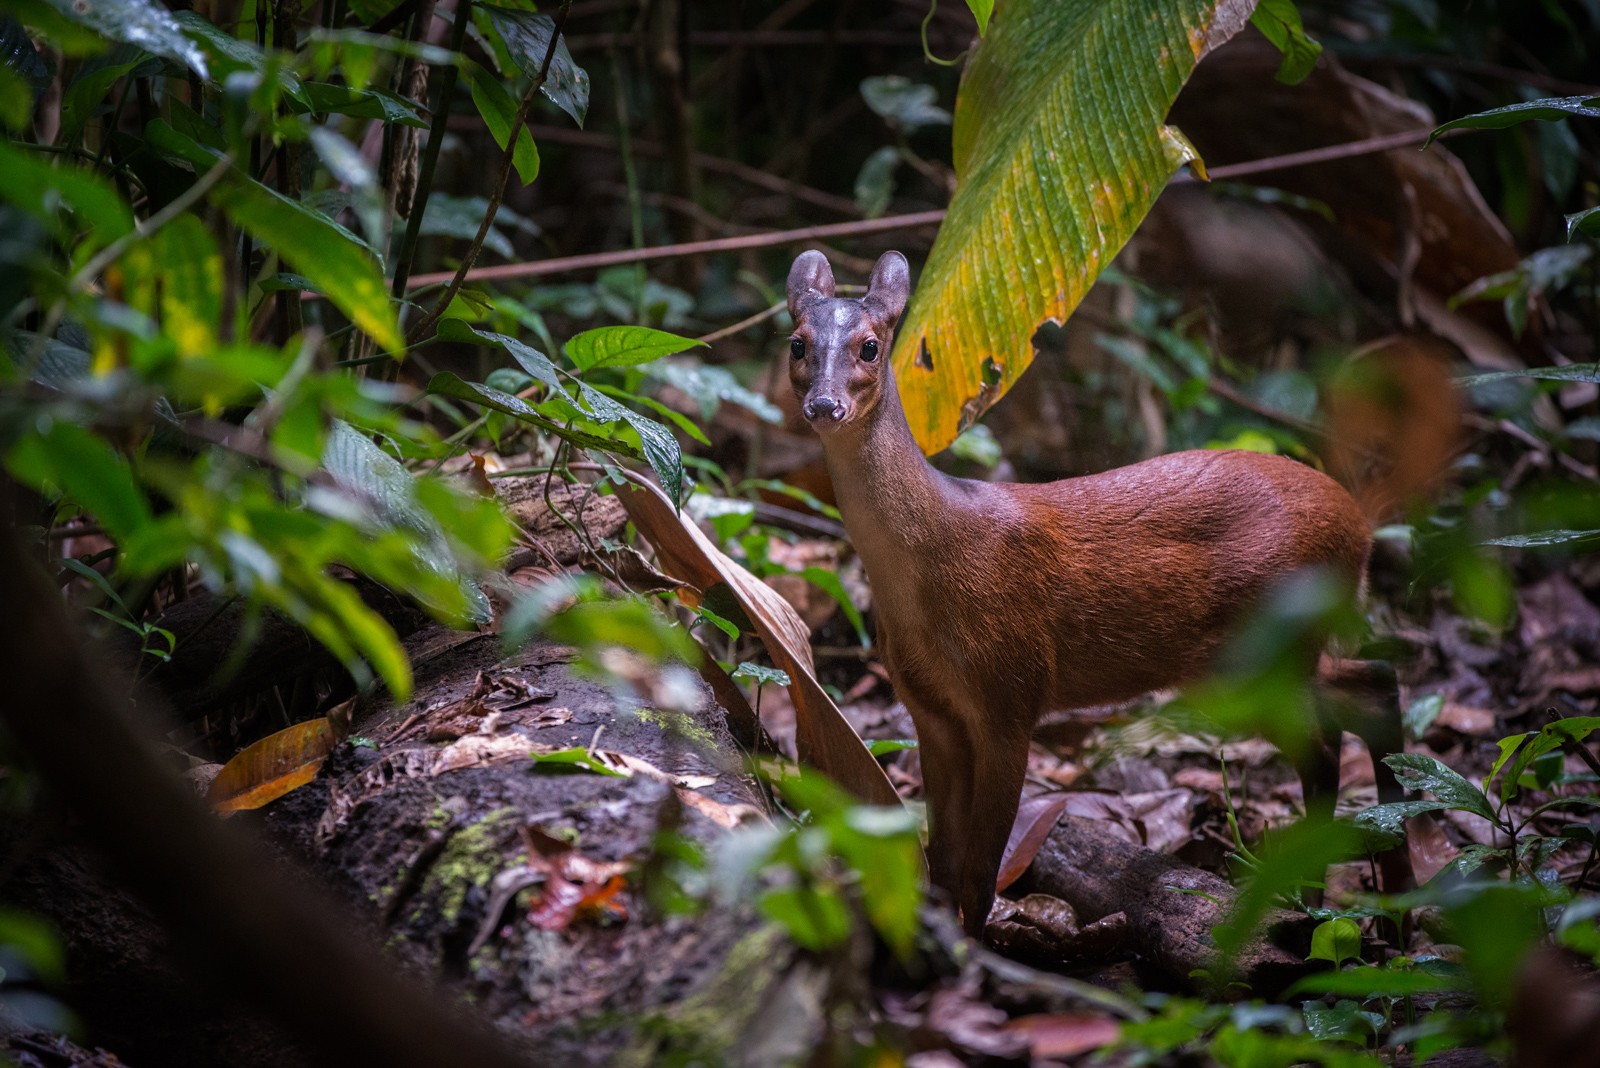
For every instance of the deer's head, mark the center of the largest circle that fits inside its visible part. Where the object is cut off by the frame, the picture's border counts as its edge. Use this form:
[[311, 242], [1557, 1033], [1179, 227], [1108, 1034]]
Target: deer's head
[[839, 351]]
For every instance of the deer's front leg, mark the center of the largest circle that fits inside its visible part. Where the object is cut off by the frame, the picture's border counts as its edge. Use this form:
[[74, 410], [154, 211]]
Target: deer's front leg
[[999, 765], [944, 752]]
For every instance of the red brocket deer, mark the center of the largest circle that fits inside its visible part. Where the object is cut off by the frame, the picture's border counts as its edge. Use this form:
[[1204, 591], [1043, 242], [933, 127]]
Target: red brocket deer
[[998, 602]]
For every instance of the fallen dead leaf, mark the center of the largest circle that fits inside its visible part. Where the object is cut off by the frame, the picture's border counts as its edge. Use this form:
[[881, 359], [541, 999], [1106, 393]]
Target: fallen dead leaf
[[1065, 1034], [1465, 719], [270, 768], [729, 816], [1429, 849], [1036, 816], [824, 738]]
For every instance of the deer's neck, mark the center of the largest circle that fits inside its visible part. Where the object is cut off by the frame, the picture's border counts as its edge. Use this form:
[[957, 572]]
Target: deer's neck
[[892, 500]]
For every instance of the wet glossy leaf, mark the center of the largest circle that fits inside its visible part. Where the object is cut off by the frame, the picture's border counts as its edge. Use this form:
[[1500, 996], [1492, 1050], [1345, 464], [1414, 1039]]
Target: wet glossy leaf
[[1545, 539], [660, 448], [1419, 772], [710, 386], [1548, 109], [270, 768], [325, 99], [527, 38], [136, 22], [1060, 149], [1367, 981], [499, 111], [624, 346], [446, 384], [460, 217]]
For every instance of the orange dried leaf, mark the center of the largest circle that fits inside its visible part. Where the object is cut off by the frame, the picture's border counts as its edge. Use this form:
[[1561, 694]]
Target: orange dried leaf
[[272, 767]]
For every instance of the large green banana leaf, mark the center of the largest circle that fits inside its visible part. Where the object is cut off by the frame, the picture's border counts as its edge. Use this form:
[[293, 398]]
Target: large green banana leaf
[[1060, 150]]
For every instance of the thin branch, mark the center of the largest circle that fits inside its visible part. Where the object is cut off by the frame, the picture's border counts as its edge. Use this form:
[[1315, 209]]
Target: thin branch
[[758, 317], [499, 193], [691, 248], [1321, 155], [733, 168], [446, 76]]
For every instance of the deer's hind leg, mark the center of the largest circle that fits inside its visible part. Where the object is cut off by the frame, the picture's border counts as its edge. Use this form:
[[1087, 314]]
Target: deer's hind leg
[[1365, 700]]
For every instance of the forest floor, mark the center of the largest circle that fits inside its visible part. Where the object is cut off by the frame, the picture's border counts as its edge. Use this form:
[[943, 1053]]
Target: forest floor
[[513, 882]]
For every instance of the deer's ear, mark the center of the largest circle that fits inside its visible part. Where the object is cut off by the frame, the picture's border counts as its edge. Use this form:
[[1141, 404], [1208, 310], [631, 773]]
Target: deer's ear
[[889, 288], [810, 279]]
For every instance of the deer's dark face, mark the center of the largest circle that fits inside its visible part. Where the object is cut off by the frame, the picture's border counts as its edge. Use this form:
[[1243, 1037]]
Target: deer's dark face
[[840, 347]]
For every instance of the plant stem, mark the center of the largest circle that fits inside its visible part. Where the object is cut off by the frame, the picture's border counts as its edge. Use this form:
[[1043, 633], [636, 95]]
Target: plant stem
[[630, 175], [499, 193], [445, 78]]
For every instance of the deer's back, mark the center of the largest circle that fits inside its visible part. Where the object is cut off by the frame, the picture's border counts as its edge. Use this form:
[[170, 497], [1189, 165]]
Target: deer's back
[[1097, 589]]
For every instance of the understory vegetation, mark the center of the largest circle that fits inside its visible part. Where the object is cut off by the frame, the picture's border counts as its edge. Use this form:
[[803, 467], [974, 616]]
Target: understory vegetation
[[395, 396]]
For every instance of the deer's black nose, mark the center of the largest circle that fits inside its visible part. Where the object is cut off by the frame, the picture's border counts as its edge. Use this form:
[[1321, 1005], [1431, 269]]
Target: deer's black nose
[[823, 408]]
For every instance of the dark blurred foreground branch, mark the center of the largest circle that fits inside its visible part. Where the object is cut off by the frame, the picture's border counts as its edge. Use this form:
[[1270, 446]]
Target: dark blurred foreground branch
[[228, 907]]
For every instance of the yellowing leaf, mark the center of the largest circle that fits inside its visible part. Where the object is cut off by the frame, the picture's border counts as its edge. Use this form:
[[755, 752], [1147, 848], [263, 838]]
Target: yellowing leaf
[[272, 767], [1060, 149]]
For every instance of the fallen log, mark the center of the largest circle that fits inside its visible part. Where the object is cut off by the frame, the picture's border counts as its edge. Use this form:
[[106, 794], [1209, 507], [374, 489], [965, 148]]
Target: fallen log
[[1170, 907]]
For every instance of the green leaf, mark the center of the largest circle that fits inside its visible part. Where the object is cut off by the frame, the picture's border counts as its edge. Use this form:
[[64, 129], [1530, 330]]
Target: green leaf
[[762, 675], [816, 920], [981, 10], [1421, 714], [884, 746], [660, 448], [42, 190], [1057, 159], [1586, 222], [84, 466], [446, 384], [229, 55], [16, 97], [1508, 746], [1279, 21], [1418, 772], [460, 217], [335, 262], [499, 111], [875, 181], [829, 583], [624, 346], [324, 98], [903, 102], [677, 419], [571, 760], [527, 37], [1368, 981], [1391, 819], [83, 96], [1336, 940], [1548, 109], [1292, 857], [136, 22]]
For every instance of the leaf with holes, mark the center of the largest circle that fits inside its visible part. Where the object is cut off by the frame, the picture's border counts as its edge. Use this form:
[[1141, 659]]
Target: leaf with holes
[[1060, 150], [272, 767]]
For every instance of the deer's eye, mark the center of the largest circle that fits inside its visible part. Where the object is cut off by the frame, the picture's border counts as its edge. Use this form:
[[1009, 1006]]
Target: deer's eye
[[869, 351], [797, 348]]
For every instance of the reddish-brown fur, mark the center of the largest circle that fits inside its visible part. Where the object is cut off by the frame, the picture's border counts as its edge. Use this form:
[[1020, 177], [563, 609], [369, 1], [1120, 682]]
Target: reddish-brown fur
[[998, 602]]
